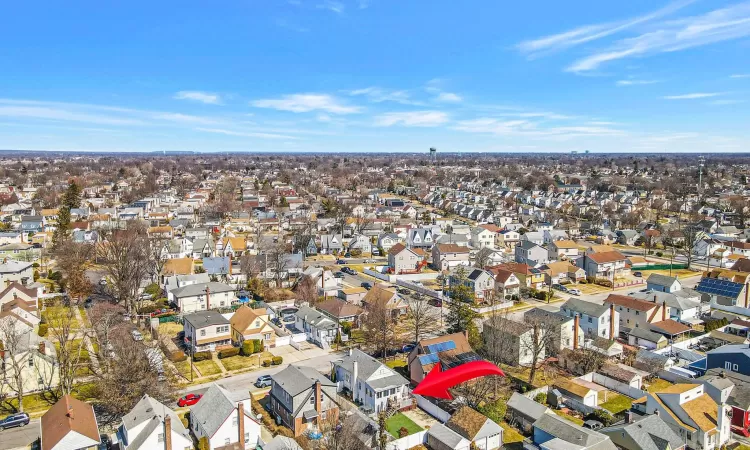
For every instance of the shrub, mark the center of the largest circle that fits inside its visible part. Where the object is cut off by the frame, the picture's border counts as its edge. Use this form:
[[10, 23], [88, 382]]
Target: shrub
[[162, 302], [201, 356], [43, 329], [265, 417], [565, 282], [659, 254], [541, 398], [602, 416], [152, 289], [55, 276], [543, 295], [257, 346], [177, 356], [203, 444], [286, 432], [186, 420], [603, 282], [583, 282], [347, 328], [247, 348], [356, 253], [36, 275], [266, 363], [403, 432], [713, 324], [229, 352], [496, 410], [276, 360], [148, 309]]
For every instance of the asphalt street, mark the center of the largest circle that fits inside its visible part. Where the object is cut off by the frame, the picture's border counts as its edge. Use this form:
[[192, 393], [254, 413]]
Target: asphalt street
[[20, 437]]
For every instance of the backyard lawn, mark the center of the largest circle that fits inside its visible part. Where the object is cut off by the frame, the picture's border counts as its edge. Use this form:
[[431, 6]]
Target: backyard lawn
[[169, 329], [617, 403], [658, 385], [397, 421], [240, 362], [573, 419], [206, 368], [52, 313], [396, 363], [510, 434]]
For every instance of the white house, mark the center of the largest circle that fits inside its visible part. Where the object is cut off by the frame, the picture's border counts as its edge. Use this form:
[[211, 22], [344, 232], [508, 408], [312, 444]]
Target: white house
[[371, 382], [205, 330], [148, 423], [482, 238], [319, 328], [224, 421], [202, 296]]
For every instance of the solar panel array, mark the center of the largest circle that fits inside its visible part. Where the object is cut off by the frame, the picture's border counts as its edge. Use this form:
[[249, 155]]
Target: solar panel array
[[431, 358], [463, 358], [441, 347], [714, 286]]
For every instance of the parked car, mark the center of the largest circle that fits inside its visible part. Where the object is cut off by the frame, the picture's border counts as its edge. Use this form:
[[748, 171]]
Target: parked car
[[347, 255], [338, 275], [137, 336], [188, 400], [263, 381], [592, 424], [15, 420], [559, 287], [340, 261], [370, 261], [574, 291], [105, 443], [407, 348], [638, 274], [375, 252], [366, 285]]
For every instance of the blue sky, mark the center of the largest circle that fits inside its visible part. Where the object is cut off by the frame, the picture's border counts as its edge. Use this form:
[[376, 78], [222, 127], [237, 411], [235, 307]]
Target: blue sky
[[376, 75]]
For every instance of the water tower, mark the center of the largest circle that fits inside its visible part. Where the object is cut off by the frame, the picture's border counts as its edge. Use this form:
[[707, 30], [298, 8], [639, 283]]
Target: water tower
[[433, 154]]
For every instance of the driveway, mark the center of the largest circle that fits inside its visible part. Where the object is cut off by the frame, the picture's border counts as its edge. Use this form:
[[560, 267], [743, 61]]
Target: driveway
[[20, 437]]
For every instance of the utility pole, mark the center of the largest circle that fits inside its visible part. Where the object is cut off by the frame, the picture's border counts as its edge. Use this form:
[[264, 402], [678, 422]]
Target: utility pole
[[701, 164]]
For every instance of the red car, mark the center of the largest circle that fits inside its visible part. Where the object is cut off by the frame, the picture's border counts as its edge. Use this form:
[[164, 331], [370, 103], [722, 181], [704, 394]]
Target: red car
[[188, 400]]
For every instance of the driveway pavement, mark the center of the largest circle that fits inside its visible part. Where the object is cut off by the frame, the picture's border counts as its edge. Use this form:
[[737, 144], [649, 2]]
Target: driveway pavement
[[21, 437]]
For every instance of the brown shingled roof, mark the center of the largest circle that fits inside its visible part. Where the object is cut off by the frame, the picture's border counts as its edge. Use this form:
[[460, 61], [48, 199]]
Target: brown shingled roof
[[68, 415], [606, 257], [467, 422], [630, 302]]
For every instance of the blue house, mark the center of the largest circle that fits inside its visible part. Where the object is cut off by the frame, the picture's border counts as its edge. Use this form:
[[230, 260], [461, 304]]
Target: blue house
[[732, 357], [32, 224]]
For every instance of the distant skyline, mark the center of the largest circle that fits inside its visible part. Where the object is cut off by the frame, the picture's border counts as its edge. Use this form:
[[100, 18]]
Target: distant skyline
[[376, 76]]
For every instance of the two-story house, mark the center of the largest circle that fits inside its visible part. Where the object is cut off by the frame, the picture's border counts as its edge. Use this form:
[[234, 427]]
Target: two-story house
[[318, 327], [531, 254], [18, 271], [563, 250], [481, 283], [635, 313], [448, 256], [482, 238], [303, 400], [726, 290], [420, 238], [202, 296], [224, 421], [608, 265], [70, 424], [443, 349], [595, 320], [373, 384], [149, 423], [206, 330], [402, 259]]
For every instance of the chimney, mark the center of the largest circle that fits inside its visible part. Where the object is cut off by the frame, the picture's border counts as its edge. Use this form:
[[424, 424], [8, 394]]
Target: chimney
[[167, 432], [355, 374], [41, 348], [576, 321], [747, 292], [612, 322], [208, 298], [664, 310], [318, 408], [629, 417], [241, 424]]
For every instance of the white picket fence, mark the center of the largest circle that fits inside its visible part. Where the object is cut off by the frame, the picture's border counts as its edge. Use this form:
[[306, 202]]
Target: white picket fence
[[421, 289], [378, 275], [407, 442], [617, 386]]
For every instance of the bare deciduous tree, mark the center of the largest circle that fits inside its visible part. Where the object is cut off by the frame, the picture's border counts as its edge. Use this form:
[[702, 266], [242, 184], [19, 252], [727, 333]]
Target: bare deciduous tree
[[307, 289], [124, 255], [15, 355], [379, 329], [421, 318], [63, 328]]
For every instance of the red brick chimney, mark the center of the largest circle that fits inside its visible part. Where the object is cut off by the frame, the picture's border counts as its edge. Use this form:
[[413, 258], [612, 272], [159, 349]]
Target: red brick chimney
[[167, 433], [208, 298], [241, 424], [576, 322], [41, 348], [318, 399], [612, 322], [664, 310]]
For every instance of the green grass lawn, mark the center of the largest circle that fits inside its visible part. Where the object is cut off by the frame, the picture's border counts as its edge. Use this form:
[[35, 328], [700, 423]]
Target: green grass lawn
[[396, 363], [53, 313], [84, 361], [206, 368], [658, 385], [575, 420], [510, 434], [86, 321], [36, 404], [240, 362], [398, 420], [617, 403]]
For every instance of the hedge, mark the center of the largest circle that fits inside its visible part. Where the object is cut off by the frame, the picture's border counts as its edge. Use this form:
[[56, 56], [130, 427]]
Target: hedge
[[43, 329], [266, 363], [276, 360], [258, 346], [177, 356], [605, 283], [247, 348], [711, 325], [265, 417], [201, 356], [226, 353]]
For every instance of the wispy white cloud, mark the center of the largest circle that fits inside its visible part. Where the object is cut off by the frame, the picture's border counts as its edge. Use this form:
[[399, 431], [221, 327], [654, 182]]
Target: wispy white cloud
[[245, 133], [448, 97], [379, 95], [635, 82], [63, 114], [740, 75], [693, 95], [587, 33], [719, 25], [199, 96], [183, 118], [531, 129], [300, 103], [412, 119], [331, 5]]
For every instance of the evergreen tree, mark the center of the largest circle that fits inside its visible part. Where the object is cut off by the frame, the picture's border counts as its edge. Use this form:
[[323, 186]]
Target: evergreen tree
[[71, 199]]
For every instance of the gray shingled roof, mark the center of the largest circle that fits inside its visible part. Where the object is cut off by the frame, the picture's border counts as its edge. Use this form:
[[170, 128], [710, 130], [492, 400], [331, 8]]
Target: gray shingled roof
[[202, 319], [661, 280], [585, 307], [567, 431], [200, 289], [212, 410], [648, 433], [315, 318], [445, 435], [526, 406], [282, 443], [152, 411], [297, 379]]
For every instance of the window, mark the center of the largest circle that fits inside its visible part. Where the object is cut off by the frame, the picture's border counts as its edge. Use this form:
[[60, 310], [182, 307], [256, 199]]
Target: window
[[160, 437], [31, 361], [312, 399], [226, 441], [734, 367], [247, 437], [203, 332], [637, 313], [590, 321], [728, 365], [323, 415]]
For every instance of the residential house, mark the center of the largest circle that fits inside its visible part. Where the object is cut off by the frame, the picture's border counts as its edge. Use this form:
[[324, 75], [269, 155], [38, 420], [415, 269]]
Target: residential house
[[732, 388], [232, 246], [331, 243], [507, 238], [627, 237], [303, 400], [685, 309], [341, 311], [635, 313], [362, 243], [606, 265], [552, 432], [562, 272], [206, 330], [420, 238], [663, 283], [178, 266], [576, 392], [726, 290], [595, 320], [566, 330], [531, 254], [15, 271], [223, 421], [448, 256], [388, 240], [563, 250], [482, 238], [248, 324], [70, 424], [147, 426], [731, 357], [481, 283], [522, 411], [386, 295], [403, 260], [353, 295], [465, 429], [26, 355], [201, 297], [444, 349], [535, 237], [320, 329], [700, 422], [507, 283], [375, 386], [517, 338], [527, 275], [644, 433]]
